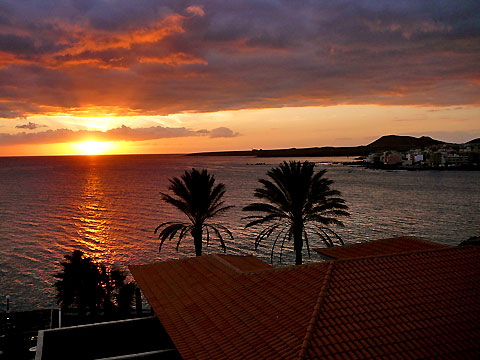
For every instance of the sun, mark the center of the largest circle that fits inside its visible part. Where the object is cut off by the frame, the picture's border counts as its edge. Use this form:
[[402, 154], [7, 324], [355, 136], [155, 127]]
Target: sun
[[92, 147]]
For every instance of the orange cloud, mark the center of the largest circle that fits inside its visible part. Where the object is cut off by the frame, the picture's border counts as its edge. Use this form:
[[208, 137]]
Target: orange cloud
[[123, 133], [158, 57], [84, 45], [196, 10], [173, 59]]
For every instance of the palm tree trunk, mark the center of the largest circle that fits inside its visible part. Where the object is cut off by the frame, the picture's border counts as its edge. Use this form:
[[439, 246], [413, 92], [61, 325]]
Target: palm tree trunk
[[298, 245], [197, 234]]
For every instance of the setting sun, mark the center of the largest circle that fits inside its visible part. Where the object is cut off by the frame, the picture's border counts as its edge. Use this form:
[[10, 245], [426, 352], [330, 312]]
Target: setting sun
[[93, 147]]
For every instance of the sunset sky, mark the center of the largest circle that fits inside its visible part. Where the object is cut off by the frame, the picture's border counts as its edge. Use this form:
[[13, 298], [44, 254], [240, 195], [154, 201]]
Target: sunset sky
[[178, 77]]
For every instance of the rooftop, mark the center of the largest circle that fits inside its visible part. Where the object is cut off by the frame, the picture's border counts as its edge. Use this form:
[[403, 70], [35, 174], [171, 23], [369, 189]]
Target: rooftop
[[122, 339], [422, 303], [382, 247]]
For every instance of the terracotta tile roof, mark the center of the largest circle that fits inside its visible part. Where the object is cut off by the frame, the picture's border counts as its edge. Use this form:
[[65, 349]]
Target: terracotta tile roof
[[413, 306], [211, 311], [382, 247], [423, 304], [244, 263]]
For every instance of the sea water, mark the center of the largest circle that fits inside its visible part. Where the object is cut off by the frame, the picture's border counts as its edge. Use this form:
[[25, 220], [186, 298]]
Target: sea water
[[108, 207]]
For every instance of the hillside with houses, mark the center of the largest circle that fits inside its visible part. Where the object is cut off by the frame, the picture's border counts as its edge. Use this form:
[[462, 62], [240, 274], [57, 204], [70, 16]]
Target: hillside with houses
[[436, 156]]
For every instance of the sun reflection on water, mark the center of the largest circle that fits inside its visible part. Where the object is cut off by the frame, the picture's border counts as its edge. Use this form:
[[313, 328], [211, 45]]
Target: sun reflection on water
[[92, 223]]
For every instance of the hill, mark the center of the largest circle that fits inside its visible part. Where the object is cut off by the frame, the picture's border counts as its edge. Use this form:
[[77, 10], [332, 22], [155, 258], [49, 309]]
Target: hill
[[402, 143], [387, 142]]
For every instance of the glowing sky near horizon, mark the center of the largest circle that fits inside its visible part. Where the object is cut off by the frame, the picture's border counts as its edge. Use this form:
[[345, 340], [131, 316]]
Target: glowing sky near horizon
[[178, 77]]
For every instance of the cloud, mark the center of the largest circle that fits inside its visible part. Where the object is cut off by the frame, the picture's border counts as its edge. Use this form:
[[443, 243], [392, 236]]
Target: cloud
[[195, 10], [223, 132], [446, 109], [152, 57], [30, 126], [123, 133]]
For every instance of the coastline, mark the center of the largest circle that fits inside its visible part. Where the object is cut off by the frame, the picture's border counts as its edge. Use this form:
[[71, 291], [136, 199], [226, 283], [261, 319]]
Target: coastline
[[412, 167]]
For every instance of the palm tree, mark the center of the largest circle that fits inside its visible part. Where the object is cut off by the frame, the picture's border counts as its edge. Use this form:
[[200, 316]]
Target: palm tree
[[117, 294], [197, 196], [85, 285], [298, 202], [77, 284]]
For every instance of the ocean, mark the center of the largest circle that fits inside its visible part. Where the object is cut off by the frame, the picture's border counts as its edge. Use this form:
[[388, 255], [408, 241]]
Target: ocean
[[108, 207]]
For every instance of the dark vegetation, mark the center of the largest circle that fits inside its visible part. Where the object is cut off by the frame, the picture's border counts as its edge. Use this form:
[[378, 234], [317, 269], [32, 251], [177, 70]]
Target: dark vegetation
[[86, 291], [297, 203], [474, 240], [93, 288], [200, 199]]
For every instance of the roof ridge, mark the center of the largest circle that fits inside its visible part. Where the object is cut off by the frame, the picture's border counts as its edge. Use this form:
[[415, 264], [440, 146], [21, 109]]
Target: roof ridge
[[429, 241], [406, 253], [227, 264], [289, 267], [411, 237], [316, 310], [170, 260]]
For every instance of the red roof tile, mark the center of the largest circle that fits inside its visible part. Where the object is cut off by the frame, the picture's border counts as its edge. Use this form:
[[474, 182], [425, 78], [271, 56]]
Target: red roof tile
[[244, 263], [208, 308], [422, 304], [432, 300], [383, 247]]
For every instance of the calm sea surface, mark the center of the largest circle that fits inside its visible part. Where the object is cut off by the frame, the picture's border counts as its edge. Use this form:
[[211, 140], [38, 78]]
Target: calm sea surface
[[108, 206]]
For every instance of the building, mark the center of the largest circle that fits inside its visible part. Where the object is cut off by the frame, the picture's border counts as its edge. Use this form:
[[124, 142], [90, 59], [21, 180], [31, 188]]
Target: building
[[400, 297], [393, 158], [396, 298], [136, 338], [457, 160]]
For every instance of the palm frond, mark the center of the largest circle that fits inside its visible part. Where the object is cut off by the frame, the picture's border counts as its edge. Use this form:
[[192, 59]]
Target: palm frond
[[169, 232], [219, 236], [225, 229], [324, 231], [265, 233], [182, 235], [288, 235], [217, 211], [164, 224], [264, 207], [208, 235], [306, 242], [259, 220], [336, 235], [324, 238], [275, 242]]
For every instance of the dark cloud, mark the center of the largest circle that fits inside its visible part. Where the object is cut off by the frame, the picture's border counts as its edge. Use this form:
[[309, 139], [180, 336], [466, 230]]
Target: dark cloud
[[446, 109], [123, 133], [11, 112], [30, 126], [161, 57], [223, 132]]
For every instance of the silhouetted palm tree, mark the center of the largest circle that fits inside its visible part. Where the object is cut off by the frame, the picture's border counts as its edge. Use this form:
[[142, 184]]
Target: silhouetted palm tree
[[85, 285], [298, 202], [78, 283], [197, 196], [117, 293]]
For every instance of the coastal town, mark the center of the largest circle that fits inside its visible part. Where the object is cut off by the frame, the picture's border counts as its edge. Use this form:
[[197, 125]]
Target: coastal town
[[438, 156]]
